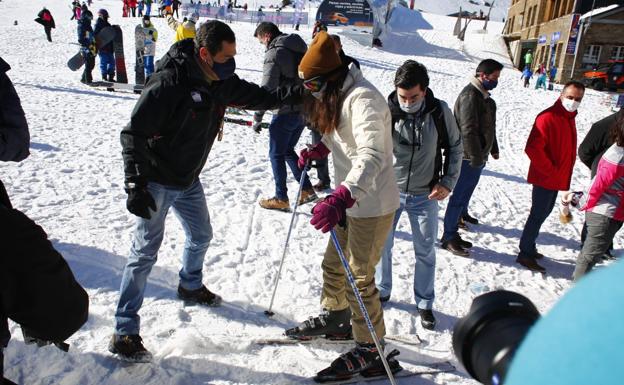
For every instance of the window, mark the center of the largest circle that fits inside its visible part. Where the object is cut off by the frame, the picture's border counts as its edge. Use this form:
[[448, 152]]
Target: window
[[617, 53], [591, 56]]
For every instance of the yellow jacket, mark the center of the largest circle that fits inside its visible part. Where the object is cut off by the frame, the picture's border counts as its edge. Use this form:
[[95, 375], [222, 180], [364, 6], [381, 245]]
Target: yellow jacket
[[183, 30]]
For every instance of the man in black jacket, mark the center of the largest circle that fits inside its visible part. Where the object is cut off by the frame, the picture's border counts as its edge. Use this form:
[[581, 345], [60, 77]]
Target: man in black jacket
[[171, 131]]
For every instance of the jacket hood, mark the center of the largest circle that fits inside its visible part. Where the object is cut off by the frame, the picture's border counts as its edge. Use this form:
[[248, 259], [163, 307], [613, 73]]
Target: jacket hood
[[181, 59], [292, 42], [558, 108], [4, 66], [398, 113]]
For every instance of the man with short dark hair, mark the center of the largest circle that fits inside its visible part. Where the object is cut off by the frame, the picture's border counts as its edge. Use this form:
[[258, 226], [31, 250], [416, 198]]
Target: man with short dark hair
[[282, 56], [428, 155], [475, 112], [165, 146], [551, 147]]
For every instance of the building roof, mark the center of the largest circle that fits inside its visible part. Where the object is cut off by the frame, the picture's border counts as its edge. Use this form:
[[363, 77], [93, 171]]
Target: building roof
[[601, 11]]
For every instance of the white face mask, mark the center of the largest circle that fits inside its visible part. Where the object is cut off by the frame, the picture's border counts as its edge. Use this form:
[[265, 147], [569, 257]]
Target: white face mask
[[570, 105], [412, 108]]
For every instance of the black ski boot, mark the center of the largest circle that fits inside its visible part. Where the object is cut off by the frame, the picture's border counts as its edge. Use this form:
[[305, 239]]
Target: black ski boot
[[201, 296], [129, 348], [364, 360], [333, 325]]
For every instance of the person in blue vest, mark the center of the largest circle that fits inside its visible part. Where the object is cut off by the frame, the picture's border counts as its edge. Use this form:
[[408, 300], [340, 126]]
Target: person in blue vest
[[105, 52]]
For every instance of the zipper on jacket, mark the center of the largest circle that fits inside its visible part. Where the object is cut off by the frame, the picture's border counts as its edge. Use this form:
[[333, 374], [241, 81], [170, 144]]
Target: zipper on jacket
[[409, 170]]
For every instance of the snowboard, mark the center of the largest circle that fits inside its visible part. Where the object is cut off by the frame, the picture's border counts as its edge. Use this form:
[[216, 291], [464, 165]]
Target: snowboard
[[139, 44], [118, 50], [101, 39], [115, 86]]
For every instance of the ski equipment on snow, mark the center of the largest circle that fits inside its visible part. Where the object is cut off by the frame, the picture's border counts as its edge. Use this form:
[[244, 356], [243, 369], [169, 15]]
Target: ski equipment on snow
[[101, 39], [139, 44], [118, 50]]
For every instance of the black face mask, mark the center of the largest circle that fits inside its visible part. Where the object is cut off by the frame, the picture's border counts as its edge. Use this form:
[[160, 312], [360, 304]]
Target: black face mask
[[224, 70]]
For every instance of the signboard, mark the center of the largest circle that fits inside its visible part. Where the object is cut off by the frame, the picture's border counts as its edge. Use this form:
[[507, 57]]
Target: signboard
[[573, 37], [541, 39], [240, 14], [619, 100], [345, 12], [555, 37]]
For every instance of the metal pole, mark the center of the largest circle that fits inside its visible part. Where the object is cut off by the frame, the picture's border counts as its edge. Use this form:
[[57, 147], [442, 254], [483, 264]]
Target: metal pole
[[304, 175], [369, 324]]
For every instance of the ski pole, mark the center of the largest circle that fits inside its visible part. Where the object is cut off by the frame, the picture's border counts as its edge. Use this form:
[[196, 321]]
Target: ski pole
[[243, 122], [304, 175], [369, 324]]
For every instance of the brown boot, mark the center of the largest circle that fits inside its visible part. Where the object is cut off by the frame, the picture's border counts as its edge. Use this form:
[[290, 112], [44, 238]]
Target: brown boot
[[307, 196], [275, 204], [531, 264]]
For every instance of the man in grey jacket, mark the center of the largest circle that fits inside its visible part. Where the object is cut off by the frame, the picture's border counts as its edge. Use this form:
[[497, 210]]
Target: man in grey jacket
[[428, 152], [283, 54], [475, 112]]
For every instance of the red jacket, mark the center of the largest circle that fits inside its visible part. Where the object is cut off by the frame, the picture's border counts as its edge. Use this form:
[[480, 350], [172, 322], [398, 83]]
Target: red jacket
[[552, 148]]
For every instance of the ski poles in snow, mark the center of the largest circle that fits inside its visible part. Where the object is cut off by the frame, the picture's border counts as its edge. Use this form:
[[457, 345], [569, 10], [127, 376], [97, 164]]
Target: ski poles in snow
[[304, 175], [243, 122], [369, 324]]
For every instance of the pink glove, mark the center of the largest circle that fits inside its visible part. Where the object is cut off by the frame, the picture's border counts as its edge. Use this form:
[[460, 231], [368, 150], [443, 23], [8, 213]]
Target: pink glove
[[332, 210], [316, 152]]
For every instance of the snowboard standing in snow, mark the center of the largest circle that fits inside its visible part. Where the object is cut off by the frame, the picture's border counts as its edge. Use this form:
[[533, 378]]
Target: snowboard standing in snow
[[139, 43], [120, 64], [101, 39]]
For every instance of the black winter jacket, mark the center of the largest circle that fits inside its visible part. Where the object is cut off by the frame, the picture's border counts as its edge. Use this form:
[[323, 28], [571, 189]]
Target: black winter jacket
[[100, 24], [179, 114], [476, 118], [14, 136], [597, 141]]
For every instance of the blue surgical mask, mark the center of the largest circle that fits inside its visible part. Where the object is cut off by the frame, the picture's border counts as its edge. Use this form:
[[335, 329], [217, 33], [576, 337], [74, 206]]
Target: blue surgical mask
[[224, 70], [489, 84], [412, 108]]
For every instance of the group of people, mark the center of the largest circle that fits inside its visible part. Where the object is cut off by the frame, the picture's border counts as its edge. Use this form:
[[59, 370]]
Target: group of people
[[406, 152]]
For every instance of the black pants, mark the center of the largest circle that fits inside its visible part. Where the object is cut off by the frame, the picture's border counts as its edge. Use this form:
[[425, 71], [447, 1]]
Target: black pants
[[48, 32], [600, 232], [88, 67], [133, 11]]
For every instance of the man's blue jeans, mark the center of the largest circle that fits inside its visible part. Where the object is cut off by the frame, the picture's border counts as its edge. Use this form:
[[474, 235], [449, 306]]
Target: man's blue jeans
[[107, 64], [190, 207], [284, 133], [458, 203], [423, 216], [542, 203], [148, 63]]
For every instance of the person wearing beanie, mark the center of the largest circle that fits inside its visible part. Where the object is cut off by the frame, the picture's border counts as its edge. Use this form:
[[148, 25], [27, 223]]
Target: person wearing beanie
[[149, 51], [86, 40], [355, 122], [281, 59], [107, 61], [185, 29]]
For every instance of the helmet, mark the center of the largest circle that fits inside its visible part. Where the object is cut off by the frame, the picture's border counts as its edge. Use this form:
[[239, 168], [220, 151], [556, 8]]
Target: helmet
[[103, 13]]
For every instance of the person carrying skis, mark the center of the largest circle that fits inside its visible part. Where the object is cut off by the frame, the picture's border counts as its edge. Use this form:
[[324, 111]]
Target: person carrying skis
[[165, 147], [475, 112], [184, 30], [107, 60], [551, 147], [355, 121], [151, 36], [45, 18], [428, 155], [87, 44], [282, 56]]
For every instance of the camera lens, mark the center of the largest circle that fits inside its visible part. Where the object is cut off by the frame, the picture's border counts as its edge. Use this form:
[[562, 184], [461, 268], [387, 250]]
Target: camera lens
[[486, 339]]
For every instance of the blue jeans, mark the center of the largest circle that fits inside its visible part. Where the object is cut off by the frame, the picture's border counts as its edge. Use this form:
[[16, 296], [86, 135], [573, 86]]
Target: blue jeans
[[542, 203], [148, 9], [148, 63], [458, 203], [423, 216], [190, 207], [284, 133], [107, 63]]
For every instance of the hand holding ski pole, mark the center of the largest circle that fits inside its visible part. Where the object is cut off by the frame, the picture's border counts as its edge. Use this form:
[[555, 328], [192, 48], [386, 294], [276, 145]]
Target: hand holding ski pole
[[317, 152], [332, 210]]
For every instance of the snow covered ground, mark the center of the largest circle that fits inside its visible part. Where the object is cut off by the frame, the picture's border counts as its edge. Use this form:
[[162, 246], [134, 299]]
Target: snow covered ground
[[72, 185]]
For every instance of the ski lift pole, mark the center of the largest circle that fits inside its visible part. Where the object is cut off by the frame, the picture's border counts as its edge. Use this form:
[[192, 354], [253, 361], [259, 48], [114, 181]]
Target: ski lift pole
[[369, 324], [304, 175]]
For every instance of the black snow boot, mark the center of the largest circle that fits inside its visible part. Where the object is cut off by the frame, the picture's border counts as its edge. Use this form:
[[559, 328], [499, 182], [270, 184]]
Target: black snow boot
[[364, 360], [201, 296], [111, 77], [129, 348], [335, 325]]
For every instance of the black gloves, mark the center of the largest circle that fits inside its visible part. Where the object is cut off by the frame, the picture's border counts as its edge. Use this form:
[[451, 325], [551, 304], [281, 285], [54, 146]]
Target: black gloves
[[140, 201]]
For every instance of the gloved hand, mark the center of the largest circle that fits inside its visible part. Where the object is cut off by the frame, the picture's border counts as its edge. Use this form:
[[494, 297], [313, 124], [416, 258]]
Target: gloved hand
[[257, 127], [332, 210], [316, 152], [140, 201]]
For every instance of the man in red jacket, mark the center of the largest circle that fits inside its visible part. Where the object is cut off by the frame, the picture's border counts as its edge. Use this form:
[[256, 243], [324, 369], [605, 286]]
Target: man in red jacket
[[552, 149]]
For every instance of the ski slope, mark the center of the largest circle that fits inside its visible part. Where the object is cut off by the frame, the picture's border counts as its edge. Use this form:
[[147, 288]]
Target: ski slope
[[72, 185]]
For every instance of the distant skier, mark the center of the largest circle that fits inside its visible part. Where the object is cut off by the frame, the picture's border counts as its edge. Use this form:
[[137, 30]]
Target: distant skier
[[528, 58], [107, 60], [76, 11], [140, 7], [132, 4], [184, 30], [175, 5], [526, 75], [45, 18], [87, 43], [541, 77], [151, 36], [148, 7]]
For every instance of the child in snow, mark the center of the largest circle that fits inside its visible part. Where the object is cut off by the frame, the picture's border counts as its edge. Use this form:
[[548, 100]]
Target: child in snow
[[526, 75]]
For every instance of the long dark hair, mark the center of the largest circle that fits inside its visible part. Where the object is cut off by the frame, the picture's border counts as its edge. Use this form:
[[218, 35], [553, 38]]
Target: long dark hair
[[617, 129], [324, 114]]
